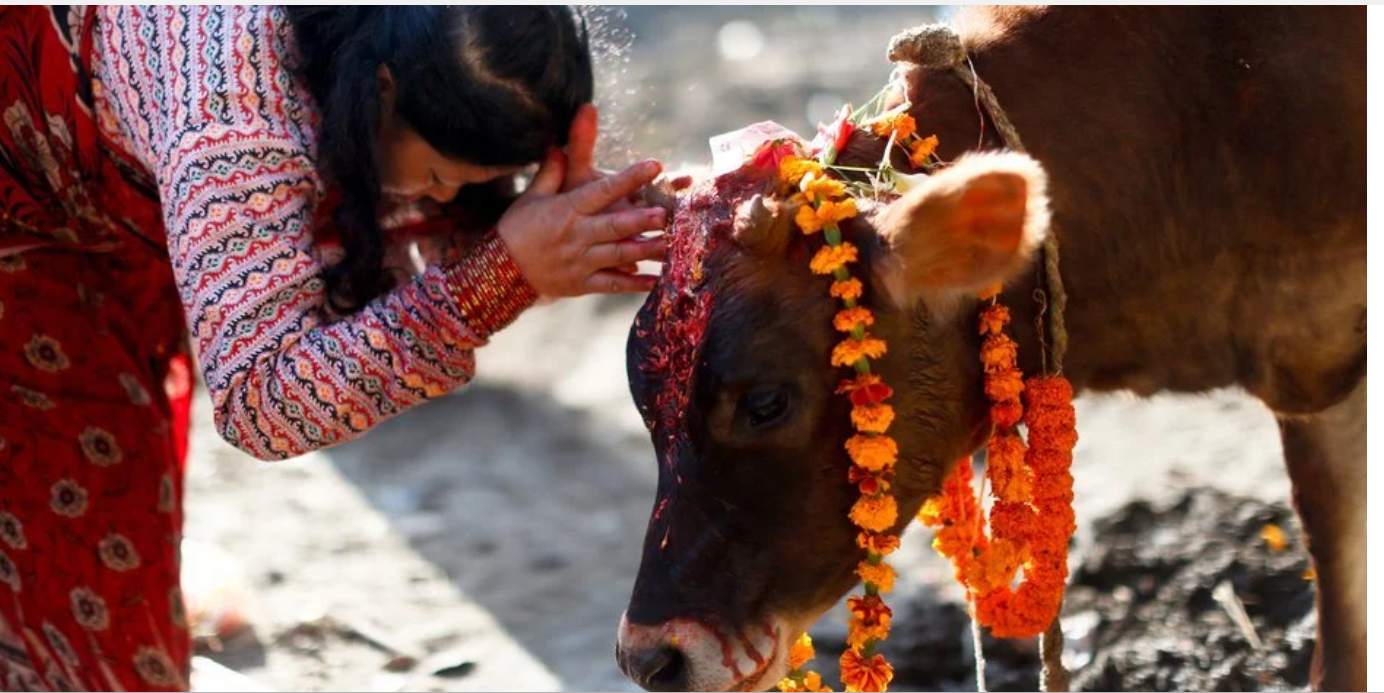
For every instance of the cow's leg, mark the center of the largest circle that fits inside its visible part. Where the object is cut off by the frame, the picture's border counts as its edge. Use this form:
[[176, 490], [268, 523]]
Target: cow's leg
[[1326, 461]]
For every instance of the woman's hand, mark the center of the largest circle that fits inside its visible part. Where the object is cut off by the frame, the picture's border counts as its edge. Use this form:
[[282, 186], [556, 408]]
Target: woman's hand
[[574, 243]]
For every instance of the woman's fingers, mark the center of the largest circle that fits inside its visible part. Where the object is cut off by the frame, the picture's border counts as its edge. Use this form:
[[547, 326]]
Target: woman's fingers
[[548, 180], [602, 192], [613, 282], [622, 253], [613, 226]]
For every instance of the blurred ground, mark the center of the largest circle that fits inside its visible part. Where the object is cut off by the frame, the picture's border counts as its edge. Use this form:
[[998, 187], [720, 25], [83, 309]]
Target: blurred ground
[[489, 540]]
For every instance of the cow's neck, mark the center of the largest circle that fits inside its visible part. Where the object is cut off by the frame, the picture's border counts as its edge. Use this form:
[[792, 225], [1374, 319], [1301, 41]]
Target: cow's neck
[[1056, 82]]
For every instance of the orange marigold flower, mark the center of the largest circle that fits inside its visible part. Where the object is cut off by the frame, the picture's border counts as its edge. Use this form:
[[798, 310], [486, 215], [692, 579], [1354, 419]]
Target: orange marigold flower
[[998, 353], [875, 513], [1274, 537], [833, 212], [996, 566], [902, 125], [874, 418], [792, 169], [922, 151], [847, 319], [831, 258], [874, 453], [1006, 414], [1005, 467], [861, 674], [993, 319], [881, 575], [812, 681], [882, 544], [1049, 390], [1023, 613], [859, 633], [1044, 462], [850, 350], [801, 652], [849, 289], [807, 220], [1005, 385], [1015, 520], [817, 187]]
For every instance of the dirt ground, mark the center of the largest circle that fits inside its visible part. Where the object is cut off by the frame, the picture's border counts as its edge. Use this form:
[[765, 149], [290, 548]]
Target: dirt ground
[[488, 540]]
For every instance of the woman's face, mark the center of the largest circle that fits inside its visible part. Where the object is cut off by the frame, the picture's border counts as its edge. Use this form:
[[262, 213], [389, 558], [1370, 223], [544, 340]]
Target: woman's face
[[411, 169]]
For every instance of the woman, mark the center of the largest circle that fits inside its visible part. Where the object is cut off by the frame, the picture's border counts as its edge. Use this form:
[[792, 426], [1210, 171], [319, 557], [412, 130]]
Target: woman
[[221, 173]]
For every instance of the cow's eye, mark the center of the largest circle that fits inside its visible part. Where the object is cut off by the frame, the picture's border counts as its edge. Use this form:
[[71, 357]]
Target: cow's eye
[[763, 407]]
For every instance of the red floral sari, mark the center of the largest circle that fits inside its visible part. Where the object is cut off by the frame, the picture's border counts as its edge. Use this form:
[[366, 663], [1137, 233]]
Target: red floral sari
[[94, 391]]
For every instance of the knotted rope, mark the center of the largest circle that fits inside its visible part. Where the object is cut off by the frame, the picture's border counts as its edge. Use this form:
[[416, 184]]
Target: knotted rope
[[938, 47]]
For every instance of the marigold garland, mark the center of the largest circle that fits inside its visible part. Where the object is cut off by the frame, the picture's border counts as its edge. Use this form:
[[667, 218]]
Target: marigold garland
[[826, 203], [1031, 520]]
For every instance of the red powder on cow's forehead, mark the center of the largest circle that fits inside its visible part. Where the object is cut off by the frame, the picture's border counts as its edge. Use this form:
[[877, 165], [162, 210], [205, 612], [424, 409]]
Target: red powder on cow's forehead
[[684, 299]]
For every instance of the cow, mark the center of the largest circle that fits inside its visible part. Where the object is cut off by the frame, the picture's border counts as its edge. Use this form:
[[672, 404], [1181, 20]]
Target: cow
[[1204, 172]]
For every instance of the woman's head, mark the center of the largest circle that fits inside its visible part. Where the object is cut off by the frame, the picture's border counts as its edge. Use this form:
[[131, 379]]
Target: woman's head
[[419, 101]]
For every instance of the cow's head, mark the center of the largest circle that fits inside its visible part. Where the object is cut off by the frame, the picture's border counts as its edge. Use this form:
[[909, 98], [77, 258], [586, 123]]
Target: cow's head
[[728, 361]]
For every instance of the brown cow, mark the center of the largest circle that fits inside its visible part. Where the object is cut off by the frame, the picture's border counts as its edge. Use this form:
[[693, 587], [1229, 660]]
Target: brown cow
[[1205, 172]]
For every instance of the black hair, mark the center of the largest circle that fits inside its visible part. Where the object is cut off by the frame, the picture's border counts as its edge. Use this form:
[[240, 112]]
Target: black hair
[[489, 85]]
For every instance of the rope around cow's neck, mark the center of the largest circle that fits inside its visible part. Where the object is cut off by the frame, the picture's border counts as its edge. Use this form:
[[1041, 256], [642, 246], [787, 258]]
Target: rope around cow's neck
[[937, 46]]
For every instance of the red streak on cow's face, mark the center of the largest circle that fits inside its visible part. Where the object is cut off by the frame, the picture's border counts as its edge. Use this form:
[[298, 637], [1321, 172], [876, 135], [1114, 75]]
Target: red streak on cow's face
[[749, 525]]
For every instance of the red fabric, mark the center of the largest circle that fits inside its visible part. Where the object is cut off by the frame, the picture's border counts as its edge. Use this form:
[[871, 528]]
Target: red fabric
[[91, 444]]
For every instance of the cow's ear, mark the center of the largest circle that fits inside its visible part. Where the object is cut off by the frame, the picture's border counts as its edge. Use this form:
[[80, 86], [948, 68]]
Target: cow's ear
[[969, 227]]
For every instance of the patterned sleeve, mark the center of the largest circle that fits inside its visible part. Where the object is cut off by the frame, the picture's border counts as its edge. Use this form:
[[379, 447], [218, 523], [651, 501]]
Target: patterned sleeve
[[201, 95]]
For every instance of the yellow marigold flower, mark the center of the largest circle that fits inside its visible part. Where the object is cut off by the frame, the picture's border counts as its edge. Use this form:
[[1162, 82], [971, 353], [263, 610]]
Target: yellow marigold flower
[[834, 212], [848, 289], [881, 575], [902, 125], [846, 320], [922, 150], [820, 187], [812, 681], [788, 685], [807, 220], [875, 513], [874, 453], [831, 258], [801, 652], [872, 418], [850, 350], [792, 169]]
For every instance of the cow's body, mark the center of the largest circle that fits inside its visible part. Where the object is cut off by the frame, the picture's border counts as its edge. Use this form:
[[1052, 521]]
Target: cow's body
[[1206, 176]]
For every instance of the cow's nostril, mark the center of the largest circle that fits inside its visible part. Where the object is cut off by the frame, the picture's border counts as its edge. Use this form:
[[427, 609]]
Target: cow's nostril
[[663, 668]]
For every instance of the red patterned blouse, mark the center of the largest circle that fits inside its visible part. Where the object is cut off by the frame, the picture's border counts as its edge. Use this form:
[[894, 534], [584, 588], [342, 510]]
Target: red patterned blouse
[[201, 97]]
